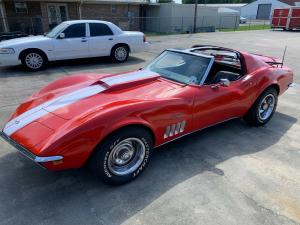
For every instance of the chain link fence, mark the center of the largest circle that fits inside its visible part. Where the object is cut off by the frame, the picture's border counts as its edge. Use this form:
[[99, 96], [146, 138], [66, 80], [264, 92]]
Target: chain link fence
[[155, 25]]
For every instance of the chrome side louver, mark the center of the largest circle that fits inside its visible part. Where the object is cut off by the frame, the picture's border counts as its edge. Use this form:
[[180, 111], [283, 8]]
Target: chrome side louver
[[174, 129]]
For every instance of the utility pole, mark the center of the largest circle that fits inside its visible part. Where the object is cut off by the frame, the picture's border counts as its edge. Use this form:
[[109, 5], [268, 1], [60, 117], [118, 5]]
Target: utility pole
[[80, 9], [195, 16]]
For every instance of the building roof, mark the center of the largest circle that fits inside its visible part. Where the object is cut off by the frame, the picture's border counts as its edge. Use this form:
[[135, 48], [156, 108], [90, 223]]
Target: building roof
[[225, 5], [227, 10], [290, 2], [115, 1]]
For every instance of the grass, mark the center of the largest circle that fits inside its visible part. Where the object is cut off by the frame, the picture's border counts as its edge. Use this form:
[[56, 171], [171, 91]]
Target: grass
[[248, 27], [240, 28]]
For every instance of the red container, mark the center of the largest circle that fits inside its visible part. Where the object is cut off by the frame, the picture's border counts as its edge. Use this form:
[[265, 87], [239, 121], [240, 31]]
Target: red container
[[286, 18]]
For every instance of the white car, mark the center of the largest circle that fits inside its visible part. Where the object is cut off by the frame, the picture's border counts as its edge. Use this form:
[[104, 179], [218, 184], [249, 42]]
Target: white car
[[70, 40]]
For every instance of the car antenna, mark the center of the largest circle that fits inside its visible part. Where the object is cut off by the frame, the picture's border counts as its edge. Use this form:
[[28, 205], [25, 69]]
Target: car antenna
[[283, 56]]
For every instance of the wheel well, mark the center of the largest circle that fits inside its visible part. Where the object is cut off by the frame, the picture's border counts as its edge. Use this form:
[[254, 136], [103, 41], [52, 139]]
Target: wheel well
[[33, 49], [149, 130], [121, 44], [276, 87]]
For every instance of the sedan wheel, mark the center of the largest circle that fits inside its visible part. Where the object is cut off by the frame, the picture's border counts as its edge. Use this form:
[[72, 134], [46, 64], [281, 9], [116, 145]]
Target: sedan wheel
[[120, 53], [33, 61]]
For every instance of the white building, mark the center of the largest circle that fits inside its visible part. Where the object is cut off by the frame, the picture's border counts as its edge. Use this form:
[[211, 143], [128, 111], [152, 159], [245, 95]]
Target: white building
[[171, 17], [262, 9]]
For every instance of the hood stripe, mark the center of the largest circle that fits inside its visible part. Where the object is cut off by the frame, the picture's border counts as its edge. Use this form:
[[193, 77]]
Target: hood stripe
[[41, 110], [50, 106]]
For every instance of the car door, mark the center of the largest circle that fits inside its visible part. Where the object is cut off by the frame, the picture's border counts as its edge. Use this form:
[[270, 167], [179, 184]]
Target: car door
[[215, 103], [101, 39], [74, 44]]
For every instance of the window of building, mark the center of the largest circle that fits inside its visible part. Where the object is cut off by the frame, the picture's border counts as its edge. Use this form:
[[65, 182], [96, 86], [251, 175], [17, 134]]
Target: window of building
[[99, 29], [113, 9], [21, 7]]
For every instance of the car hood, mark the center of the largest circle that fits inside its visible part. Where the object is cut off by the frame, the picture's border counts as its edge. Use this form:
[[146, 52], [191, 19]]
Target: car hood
[[23, 40], [75, 97]]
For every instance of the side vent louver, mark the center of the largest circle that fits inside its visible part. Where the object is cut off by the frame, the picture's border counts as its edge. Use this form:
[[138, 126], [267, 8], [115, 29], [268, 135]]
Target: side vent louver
[[174, 129]]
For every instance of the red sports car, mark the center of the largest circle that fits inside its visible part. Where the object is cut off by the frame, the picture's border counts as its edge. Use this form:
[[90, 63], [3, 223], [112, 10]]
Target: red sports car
[[113, 122]]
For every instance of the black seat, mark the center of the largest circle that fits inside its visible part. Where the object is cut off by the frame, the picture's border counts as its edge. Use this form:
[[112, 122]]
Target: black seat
[[225, 75]]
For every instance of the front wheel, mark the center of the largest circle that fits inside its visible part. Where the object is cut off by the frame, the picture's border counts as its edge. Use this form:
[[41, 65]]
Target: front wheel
[[263, 109], [120, 53], [33, 60], [122, 156]]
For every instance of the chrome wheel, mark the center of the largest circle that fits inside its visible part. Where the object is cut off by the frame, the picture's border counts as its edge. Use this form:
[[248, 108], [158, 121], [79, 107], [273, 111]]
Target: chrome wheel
[[34, 60], [121, 53], [266, 107], [126, 156]]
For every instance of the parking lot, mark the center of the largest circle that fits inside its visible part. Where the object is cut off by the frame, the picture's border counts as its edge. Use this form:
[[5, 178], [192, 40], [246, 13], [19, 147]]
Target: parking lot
[[228, 174]]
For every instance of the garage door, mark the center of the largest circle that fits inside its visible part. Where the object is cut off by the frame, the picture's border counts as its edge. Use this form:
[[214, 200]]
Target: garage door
[[263, 11]]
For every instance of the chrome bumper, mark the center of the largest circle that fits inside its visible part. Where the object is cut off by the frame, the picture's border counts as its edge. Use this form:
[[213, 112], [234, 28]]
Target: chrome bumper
[[291, 85], [28, 154]]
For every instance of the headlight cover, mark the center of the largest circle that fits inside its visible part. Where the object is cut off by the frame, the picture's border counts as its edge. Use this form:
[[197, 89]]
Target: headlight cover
[[7, 51]]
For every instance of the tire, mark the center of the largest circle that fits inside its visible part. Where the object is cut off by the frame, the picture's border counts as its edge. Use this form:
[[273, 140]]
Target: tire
[[263, 109], [122, 156], [120, 53], [33, 60]]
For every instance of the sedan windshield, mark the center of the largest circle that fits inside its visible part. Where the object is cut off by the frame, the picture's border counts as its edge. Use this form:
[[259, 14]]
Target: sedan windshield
[[181, 67], [56, 30]]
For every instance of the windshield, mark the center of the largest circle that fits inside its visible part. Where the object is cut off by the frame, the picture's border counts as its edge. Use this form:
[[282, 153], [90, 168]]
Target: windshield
[[181, 67], [56, 30]]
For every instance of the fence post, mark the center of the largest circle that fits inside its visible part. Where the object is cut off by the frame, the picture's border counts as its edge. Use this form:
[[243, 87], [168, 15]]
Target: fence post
[[249, 23], [235, 24], [159, 24], [182, 24]]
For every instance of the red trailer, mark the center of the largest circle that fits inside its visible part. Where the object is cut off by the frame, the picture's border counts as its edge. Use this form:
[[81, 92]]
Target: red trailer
[[286, 18]]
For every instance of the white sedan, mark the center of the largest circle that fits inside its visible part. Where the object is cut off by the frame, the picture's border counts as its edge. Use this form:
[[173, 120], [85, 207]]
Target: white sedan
[[70, 40]]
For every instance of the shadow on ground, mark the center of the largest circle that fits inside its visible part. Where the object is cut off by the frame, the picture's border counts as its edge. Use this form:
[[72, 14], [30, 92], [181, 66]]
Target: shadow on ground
[[30, 195], [69, 65]]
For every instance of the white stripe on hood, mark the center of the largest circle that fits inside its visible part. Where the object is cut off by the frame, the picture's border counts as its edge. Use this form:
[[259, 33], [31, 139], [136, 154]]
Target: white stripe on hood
[[41, 110]]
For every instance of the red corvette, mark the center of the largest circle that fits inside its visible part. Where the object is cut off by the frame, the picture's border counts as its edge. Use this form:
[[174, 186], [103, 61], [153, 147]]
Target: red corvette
[[113, 122]]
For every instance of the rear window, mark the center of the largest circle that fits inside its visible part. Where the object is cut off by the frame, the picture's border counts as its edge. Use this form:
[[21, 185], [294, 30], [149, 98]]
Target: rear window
[[99, 29]]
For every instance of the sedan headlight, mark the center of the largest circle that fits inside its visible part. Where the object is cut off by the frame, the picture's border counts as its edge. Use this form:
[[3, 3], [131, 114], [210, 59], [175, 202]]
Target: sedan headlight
[[7, 51]]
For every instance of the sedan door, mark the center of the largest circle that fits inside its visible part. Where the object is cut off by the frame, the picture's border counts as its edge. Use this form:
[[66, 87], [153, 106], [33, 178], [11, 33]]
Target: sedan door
[[101, 39], [74, 44]]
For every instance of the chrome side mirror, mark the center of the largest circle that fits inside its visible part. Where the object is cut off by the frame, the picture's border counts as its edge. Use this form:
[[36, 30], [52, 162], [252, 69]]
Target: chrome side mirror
[[224, 82], [61, 36]]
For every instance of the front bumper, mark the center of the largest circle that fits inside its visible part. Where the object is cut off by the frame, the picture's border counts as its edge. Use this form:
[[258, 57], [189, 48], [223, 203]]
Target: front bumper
[[9, 60], [27, 153]]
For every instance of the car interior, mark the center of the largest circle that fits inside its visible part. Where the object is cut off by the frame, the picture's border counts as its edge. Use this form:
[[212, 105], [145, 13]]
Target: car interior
[[227, 64]]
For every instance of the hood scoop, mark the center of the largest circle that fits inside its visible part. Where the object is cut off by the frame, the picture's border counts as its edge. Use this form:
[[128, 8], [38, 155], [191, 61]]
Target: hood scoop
[[128, 79]]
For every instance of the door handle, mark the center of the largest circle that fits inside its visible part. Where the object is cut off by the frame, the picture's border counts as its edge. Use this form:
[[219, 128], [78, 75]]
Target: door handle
[[83, 40], [110, 39]]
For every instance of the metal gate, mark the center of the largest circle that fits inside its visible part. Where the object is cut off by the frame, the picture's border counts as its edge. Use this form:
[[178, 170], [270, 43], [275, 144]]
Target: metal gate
[[263, 11]]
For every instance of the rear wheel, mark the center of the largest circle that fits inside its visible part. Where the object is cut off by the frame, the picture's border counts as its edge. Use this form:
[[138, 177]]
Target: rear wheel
[[263, 109], [122, 156], [33, 60], [120, 53]]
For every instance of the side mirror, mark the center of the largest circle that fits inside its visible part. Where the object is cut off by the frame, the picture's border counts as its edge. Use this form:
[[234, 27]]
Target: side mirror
[[224, 82], [61, 36]]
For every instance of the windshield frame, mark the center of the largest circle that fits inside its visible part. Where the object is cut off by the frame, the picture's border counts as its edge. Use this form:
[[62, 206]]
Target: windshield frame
[[63, 27], [187, 52]]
